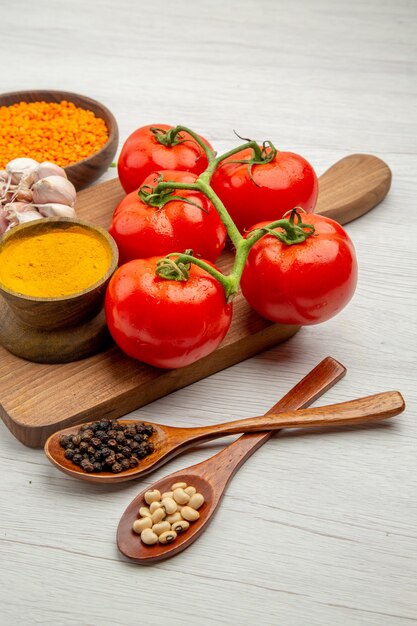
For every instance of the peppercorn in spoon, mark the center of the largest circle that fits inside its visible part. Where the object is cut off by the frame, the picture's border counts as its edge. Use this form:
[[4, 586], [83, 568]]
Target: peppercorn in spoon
[[168, 441], [211, 477]]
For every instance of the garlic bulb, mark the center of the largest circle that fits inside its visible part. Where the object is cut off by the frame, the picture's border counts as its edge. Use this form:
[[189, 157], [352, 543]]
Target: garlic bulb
[[21, 168], [48, 169], [54, 189], [53, 209], [30, 191]]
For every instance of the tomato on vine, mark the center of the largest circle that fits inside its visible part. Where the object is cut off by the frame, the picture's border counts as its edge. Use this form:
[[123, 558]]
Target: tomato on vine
[[259, 189], [166, 313], [155, 147], [144, 225], [301, 283]]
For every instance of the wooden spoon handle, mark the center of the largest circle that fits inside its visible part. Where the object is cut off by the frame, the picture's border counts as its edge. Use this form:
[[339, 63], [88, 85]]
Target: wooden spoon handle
[[353, 186], [221, 467], [377, 407]]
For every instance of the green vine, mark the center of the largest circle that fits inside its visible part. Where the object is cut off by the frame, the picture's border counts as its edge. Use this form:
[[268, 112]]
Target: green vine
[[175, 266]]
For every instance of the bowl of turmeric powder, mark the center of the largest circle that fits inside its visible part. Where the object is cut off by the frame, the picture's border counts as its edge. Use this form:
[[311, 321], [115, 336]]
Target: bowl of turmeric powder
[[53, 277], [69, 129]]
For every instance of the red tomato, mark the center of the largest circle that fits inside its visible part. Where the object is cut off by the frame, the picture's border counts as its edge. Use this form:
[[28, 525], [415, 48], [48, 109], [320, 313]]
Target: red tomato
[[166, 323], [284, 183], [304, 283], [142, 154], [142, 231]]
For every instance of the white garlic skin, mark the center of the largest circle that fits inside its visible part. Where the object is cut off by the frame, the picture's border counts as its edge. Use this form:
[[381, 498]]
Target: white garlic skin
[[53, 209], [20, 213], [4, 222], [45, 169], [54, 189], [21, 168]]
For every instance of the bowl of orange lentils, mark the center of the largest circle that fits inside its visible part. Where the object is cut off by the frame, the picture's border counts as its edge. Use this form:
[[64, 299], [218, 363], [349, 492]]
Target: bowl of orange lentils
[[71, 130]]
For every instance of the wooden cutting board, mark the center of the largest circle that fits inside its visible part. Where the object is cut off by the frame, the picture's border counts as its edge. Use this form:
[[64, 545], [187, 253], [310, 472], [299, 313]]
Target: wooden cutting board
[[38, 399]]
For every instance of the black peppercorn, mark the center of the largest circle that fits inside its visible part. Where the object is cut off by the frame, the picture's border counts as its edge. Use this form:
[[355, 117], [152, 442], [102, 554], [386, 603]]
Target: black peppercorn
[[87, 435], [97, 467], [68, 454], [119, 456], [112, 433], [87, 465], [126, 451], [104, 424], [133, 462], [76, 440], [120, 438], [109, 460], [125, 463], [64, 440], [77, 458], [83, 446], [116, 468], [112, 443], [95, 442]]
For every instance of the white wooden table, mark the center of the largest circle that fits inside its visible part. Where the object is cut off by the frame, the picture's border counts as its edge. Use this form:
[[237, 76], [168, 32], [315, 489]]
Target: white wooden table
[[317, 530]]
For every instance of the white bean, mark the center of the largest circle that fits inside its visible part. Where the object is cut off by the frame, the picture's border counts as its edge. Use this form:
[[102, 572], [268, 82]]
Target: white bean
[[189, 514], [190, 490], [167, 494], [169, 505], [141, 524], [155, 505], [175, 517], [180, 526], [160, 528], [158, 515], [144, 511], [167, 537], [178, 486], [196, 501], [180, 496], [152, 496], [148, 537]]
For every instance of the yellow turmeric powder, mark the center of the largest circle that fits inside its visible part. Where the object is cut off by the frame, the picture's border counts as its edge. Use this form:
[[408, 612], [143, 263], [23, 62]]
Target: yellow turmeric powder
[[50, 131], [55, 263]]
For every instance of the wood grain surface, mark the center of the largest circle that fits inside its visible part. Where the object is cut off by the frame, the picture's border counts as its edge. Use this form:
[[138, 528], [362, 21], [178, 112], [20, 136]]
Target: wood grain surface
[[334, 514]]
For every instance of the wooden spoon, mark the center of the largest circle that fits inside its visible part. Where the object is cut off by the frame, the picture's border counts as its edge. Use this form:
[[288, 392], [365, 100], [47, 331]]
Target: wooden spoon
[[227, 461], [169, 441]]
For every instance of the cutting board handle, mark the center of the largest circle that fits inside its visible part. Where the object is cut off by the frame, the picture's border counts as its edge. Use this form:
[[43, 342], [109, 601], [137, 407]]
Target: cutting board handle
[[353, 186]]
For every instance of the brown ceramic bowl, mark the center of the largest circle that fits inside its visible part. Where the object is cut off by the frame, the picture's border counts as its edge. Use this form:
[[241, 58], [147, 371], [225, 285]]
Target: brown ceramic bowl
[[58, 329], [88, 170]]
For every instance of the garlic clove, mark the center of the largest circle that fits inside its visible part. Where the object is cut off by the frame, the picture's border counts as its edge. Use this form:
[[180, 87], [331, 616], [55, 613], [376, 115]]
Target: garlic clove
[[46, 169], [20, 213], [24, 194], [54, 189], [4, 222], [53, 209], [20, 168]]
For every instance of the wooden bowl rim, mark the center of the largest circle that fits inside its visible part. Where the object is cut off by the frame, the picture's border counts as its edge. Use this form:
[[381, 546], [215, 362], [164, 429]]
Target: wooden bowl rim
[[102, 232], [111, 123]]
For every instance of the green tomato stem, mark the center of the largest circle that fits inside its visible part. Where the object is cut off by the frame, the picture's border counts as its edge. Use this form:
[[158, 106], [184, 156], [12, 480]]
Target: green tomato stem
[[291, 232]]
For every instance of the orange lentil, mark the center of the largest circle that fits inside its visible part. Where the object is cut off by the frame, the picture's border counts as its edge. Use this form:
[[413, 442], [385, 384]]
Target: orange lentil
[[49, 131]]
